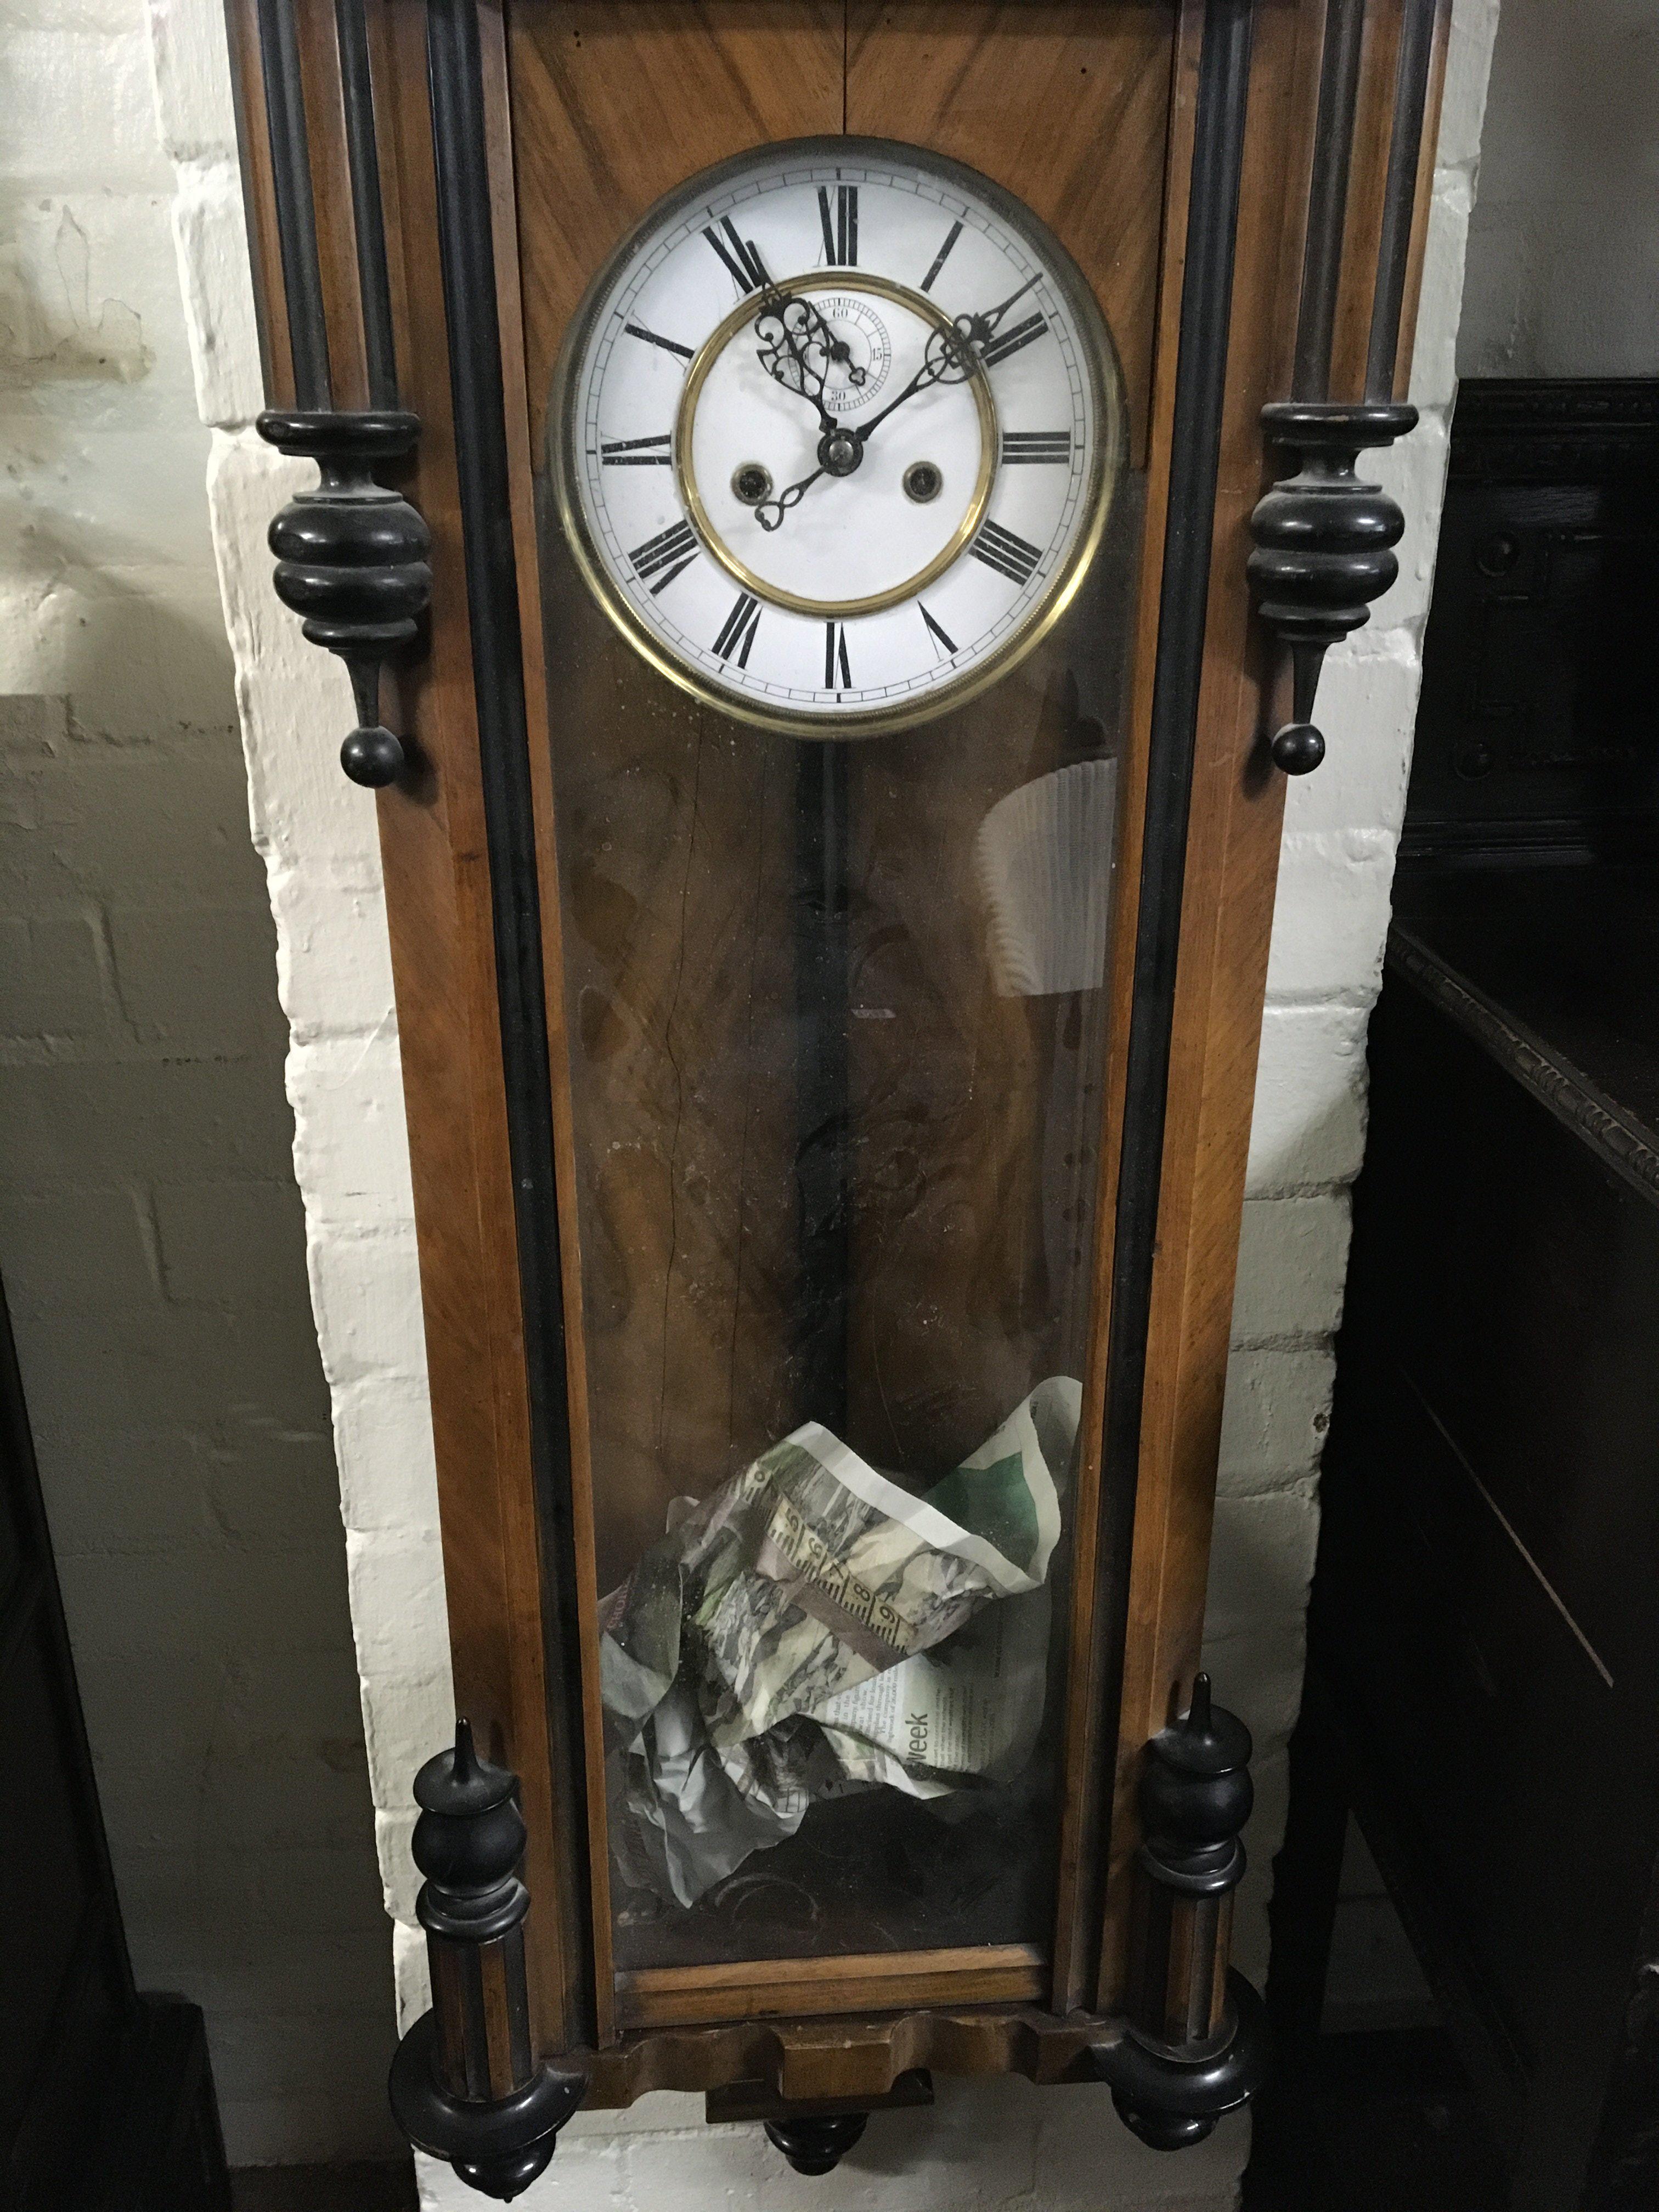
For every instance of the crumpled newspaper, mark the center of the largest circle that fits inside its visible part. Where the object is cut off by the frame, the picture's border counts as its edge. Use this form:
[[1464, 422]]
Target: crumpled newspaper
[[811, 1629]]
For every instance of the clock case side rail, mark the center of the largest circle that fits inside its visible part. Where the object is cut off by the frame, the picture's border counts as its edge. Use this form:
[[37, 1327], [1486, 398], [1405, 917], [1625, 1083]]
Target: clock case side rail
[[1194, 2048], [1227, 899], [470, 2080]]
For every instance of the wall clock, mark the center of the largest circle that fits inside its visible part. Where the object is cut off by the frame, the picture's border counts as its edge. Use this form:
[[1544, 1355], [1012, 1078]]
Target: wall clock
[[829, 1155], [835, 433]]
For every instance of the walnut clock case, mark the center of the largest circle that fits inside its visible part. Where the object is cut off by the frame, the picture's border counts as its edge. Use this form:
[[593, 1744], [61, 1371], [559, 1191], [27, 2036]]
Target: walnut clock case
[[833, 514]]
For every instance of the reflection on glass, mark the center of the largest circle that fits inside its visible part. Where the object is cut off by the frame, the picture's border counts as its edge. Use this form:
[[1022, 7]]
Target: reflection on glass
[[837, 1044]]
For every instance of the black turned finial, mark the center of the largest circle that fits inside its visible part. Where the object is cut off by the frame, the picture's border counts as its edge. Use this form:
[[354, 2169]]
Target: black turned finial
[[1324, 546], [466, 2083], [351, 560], [815, 2142], [1195, 2045]]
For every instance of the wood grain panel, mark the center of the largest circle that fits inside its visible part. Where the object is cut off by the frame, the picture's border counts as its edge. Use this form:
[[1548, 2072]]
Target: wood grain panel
[[851, 2056], [259, 203], [574, 1725], [1001, 1973], [675, 879], [1067, 105], [331, 184], [1423, 200], [615, 106], [435, 859]]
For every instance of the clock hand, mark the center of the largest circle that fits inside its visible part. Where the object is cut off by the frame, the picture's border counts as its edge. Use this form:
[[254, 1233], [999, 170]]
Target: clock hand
[[841, 447], [978, 329], [770, 512], [791, 330], [953, 356]]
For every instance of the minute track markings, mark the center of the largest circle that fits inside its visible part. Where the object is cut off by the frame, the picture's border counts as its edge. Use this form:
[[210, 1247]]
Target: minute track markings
[[985, 289]]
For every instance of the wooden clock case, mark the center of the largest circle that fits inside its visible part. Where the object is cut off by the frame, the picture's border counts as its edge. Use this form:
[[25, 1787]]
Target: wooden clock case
[[431, 185]]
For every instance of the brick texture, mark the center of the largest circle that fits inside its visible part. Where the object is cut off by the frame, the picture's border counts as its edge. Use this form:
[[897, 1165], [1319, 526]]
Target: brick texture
[[151, 1238]]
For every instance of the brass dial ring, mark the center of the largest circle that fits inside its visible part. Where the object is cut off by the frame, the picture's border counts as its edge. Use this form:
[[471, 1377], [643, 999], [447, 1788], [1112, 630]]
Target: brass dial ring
[[821, 281]]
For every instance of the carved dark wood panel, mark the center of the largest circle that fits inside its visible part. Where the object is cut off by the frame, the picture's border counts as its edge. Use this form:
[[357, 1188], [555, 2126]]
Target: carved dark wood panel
[[1539, 724], [1485, 1606]]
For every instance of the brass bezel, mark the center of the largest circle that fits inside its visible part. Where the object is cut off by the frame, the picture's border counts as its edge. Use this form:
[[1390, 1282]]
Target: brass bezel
[[822, 281], [1100, 362]]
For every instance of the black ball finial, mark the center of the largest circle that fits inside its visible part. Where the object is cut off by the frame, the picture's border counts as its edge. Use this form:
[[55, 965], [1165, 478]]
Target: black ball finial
[[1298, 748], [373, 756]]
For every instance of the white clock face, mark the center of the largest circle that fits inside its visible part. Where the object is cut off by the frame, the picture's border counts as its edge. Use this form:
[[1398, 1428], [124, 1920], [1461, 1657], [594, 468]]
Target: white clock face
[[834, 434]]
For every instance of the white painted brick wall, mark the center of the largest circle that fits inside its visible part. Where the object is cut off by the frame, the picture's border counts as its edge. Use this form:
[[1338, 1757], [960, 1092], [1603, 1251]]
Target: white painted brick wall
[[986, 2144], [151, 1236]]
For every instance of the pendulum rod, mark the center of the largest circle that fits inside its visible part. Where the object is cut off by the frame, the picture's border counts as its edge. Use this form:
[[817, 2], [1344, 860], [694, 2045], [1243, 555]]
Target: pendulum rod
[[823, 1021]]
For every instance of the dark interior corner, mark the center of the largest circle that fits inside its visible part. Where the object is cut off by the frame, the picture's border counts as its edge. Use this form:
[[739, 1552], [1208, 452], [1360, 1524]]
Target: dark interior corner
[[1483, 1635], [354, 2188]]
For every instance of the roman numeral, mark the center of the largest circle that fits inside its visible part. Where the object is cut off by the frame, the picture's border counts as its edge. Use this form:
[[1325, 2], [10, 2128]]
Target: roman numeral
[[1009, 556], [641, 453], [665, 555], [1036, 445], [651, 337], [942, 256], [1009, 342], [737, 632], [943, 640], [835, 658], [841, 235], [740, 255]]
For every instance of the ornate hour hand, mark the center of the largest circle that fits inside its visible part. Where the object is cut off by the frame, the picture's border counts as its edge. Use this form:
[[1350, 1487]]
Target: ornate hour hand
[[798, 348]]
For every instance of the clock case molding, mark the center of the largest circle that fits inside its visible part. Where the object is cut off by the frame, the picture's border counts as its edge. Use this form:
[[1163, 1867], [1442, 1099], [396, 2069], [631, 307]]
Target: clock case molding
[[385, 200]]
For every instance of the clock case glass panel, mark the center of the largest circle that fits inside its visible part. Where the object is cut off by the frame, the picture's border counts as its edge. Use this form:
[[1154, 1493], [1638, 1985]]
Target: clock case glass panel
[[838, 1038]]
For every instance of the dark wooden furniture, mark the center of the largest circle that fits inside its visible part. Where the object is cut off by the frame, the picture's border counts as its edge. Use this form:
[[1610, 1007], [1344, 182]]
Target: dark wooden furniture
[[107, 2101], [587, 932], [1485, 1641]]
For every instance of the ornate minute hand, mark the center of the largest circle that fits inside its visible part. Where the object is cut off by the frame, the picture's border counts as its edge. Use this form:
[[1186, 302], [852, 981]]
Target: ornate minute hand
[[978, 330]]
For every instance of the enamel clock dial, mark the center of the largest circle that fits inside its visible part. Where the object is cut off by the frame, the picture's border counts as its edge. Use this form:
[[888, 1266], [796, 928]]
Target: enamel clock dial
[[834, 434]]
